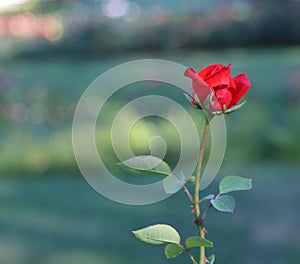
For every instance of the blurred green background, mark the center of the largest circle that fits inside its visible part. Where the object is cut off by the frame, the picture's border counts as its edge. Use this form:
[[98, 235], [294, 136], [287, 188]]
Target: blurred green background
[[50, 51]]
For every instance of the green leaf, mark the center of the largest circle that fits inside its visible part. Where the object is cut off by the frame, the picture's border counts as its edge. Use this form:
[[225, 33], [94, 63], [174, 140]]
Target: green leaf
[[157, 234], [234, 184], [173, 250], [172, 184], [146, 165], [206, 198], [211, 259], [224, 203], [196, 241]]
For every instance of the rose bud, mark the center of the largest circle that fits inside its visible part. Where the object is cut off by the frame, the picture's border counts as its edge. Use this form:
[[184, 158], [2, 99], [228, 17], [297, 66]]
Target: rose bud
[[215, 90]]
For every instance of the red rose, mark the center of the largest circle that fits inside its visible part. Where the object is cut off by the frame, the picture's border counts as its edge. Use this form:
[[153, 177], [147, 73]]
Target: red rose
[[216, 90]]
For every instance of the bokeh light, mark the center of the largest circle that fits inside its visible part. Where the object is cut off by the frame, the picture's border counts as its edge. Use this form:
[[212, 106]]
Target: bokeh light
[[23, 25], [115, 8], [19, 112], [52, 29], [10, 4]]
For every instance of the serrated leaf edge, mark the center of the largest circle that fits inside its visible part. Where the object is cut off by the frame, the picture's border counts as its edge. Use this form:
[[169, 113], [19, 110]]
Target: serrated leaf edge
[[157, 240]]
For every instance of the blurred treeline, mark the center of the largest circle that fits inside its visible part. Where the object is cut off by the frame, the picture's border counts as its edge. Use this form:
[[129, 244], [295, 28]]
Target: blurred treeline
[[81, 28], [54, 49]]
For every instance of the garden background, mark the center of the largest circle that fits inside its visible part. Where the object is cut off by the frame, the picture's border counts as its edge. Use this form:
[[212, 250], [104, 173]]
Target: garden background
[[50, 51]]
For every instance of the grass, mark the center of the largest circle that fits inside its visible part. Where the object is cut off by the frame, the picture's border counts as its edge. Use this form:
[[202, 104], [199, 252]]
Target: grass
[[62, 220]]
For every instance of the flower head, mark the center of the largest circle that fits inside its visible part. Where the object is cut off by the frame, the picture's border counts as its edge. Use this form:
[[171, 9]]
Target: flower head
[[215, 90]]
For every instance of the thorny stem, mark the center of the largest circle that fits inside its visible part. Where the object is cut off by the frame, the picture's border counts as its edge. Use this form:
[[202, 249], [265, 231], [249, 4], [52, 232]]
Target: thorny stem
[[198, 220]]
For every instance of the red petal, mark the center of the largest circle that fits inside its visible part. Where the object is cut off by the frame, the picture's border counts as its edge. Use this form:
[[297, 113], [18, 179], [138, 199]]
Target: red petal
[[242, 84], [219, 75], [224, 97], [209, 70], [200, 87], [190, 72], [232, 83]]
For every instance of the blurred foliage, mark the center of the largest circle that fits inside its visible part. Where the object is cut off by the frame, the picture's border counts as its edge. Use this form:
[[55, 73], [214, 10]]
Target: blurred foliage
[[81, 28], [40, 87], [38, 99]]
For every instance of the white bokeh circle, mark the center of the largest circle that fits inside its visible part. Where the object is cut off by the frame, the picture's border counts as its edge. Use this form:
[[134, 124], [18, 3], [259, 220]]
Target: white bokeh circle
[[93, 99]]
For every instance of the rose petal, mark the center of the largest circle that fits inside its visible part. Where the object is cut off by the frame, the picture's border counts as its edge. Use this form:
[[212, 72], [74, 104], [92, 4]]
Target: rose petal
[[190, 72], [200, 87], [206, 72], [232, 83], [220, 75], [242, 85], [224, 97]]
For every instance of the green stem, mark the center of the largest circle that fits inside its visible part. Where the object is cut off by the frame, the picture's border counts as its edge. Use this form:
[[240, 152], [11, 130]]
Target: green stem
[[186, 190], [202, 249], [193, 260], [189, 254], [206, 211], [191, 257], [198, 221]]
